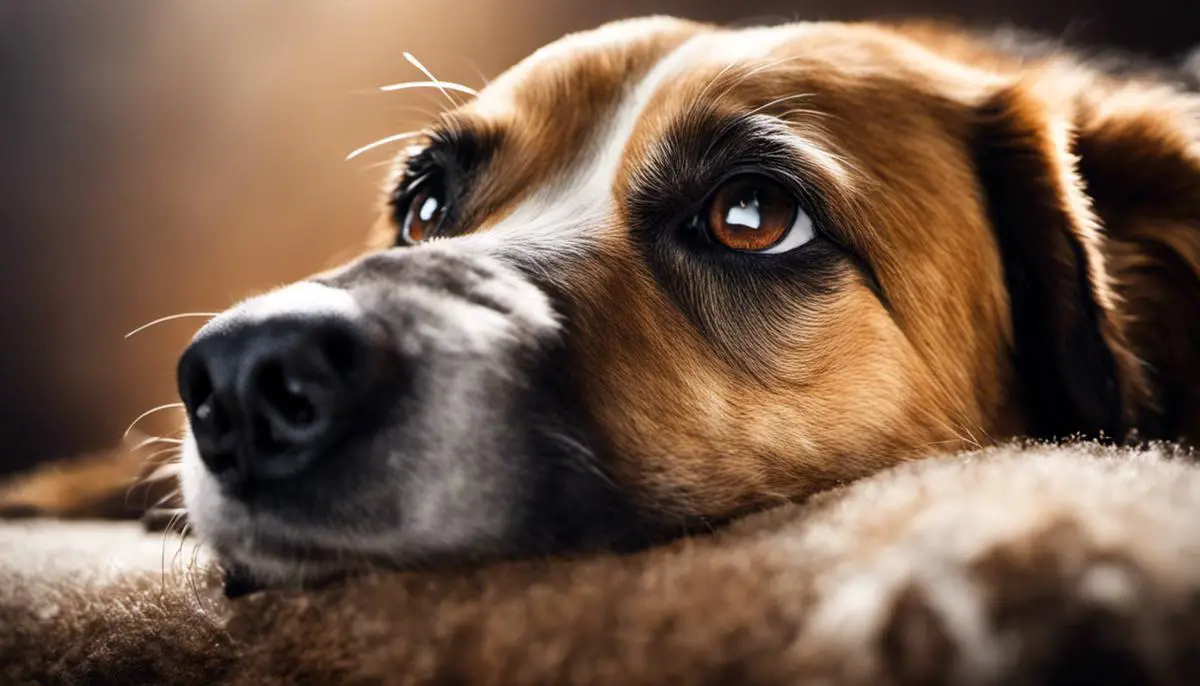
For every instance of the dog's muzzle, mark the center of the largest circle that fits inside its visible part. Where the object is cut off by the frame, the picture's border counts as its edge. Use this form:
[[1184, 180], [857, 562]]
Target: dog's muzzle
[[413, 405]]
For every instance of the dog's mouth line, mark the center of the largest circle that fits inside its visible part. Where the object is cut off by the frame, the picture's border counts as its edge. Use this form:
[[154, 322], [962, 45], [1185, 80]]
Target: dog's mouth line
[[265, 562], [262, 541], [259, 543], [251, 567]]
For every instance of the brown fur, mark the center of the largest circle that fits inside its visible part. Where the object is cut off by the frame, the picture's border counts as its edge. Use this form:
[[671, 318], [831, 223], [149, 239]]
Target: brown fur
[[1135, 150], [1042, 291], [977, 569], [1049, 286], [1011, 293]]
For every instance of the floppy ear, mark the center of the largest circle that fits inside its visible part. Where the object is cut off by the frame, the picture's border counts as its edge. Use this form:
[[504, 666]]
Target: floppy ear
[[1074, 367]]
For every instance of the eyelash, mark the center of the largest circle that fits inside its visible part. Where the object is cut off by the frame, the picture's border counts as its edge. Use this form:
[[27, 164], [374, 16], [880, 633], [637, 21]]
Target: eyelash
[[419, 165], [417, 169]]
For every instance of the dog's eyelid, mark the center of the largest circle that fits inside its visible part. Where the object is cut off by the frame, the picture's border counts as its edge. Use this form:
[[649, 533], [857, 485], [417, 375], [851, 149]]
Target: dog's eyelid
[[446, 145], [419, 166]]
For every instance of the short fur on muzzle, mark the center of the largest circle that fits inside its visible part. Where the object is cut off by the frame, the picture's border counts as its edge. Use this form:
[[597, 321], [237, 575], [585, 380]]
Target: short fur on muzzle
[[462, 442]]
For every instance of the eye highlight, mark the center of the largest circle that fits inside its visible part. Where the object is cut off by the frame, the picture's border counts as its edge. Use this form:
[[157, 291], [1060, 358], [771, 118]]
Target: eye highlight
[[752, 213], [423, 211]]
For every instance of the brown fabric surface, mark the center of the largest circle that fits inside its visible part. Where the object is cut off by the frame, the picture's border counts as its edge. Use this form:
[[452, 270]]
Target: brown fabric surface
[[1036, 565]]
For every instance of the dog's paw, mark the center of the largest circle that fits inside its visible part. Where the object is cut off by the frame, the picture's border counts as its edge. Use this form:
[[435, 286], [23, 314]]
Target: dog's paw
[[117, 483], [1055, 608], [1071, 565]]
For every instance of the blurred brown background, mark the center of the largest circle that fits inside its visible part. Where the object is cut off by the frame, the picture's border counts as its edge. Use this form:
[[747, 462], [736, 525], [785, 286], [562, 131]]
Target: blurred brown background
[[160, 156]]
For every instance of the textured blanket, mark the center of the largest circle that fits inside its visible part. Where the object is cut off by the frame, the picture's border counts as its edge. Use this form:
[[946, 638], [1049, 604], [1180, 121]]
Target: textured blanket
[[1009, 566]]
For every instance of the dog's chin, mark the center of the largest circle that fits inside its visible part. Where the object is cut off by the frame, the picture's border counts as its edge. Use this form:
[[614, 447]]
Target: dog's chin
[[246, 574], [262, 555], [535, 498], [325, 529], [251, 569], [248, 570]]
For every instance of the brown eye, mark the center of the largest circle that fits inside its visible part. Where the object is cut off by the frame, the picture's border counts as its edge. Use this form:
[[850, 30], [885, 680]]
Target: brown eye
[[426, 210], [752, 213]]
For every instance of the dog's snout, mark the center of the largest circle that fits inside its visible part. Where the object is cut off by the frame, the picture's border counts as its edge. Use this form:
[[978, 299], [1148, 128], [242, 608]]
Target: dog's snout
[[265, 397], [399, 399]]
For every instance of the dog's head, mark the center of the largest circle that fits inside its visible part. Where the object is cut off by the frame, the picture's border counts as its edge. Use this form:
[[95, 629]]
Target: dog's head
[[654, 276]]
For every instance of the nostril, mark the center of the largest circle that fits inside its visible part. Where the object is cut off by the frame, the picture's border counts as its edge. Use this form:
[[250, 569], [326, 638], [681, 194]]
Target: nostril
[[285, 394], [342, 349], [213, 417], [196, 386], [212, 424], [266, 442], [210, 420]]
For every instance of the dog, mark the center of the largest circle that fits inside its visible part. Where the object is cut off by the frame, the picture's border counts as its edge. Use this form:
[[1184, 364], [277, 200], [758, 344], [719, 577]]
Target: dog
[[661, 274]]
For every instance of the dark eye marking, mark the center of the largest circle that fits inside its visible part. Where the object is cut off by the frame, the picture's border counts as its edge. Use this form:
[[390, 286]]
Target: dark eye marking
[[731, 200], [429, 197]]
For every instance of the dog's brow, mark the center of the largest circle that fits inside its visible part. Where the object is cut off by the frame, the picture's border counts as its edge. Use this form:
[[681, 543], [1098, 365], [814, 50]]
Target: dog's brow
[[703, 143]]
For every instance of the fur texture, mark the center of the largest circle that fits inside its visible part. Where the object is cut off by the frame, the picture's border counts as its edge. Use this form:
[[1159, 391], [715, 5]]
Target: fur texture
[[1021, 565], [1028, 264]]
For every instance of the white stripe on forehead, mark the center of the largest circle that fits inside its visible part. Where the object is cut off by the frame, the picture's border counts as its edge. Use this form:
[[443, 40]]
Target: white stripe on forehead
[[569, 214]]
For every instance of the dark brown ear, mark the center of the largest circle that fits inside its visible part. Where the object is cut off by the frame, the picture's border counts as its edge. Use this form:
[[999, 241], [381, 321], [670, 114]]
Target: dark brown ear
[[1075, 370]]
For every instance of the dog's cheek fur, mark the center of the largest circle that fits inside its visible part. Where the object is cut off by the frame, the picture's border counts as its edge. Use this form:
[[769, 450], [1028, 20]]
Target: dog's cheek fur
[[690, 432]]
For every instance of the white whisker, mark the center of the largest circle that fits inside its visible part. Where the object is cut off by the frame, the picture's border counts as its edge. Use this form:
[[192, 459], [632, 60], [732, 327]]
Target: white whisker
[[376, 166], [167, 530], [816, 114], [442, 85], [777, 101], [160, 320], [158, 505], [384, 141], [711, 82], [168, 470], [756, 70], [480, 74], [439, 85], [159, 453], [157, 439], [147, 413]]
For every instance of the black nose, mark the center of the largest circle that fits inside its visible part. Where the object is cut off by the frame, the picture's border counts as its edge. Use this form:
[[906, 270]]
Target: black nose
[[267, 398]]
